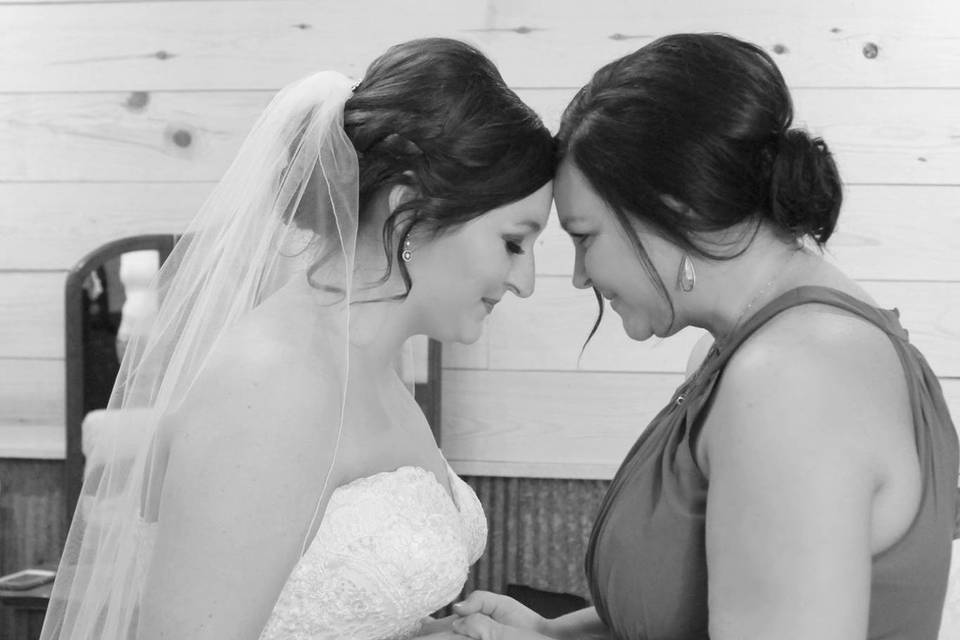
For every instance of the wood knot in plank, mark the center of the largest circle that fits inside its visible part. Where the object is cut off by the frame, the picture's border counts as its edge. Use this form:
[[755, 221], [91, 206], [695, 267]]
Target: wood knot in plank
[[137, 100], [182, 138], [523, 30], [625, 36], [163, 55], [871, 50], [780, 49]]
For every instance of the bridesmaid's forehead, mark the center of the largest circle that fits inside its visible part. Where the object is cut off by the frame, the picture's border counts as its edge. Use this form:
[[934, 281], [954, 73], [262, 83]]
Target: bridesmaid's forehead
[[575, 200]]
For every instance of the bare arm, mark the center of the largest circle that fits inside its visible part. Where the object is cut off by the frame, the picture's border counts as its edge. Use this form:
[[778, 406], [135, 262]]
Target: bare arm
[[792, 484], [246, 464], [584, 624]]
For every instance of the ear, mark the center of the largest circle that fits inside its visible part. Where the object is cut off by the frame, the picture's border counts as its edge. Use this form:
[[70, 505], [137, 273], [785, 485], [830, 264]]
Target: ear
[[674, 204], [399, 193]]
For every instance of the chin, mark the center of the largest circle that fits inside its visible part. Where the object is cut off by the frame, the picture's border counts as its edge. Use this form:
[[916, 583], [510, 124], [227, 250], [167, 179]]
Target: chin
[[469, 335], [466, 333], [638, 331], [669, 331]]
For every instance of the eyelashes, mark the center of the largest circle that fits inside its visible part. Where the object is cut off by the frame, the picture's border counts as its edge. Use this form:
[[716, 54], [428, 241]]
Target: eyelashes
[[514, 247]]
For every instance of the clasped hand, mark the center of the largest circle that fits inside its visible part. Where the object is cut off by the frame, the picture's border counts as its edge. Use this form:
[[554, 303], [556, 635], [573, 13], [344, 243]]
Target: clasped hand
[[486, 616]]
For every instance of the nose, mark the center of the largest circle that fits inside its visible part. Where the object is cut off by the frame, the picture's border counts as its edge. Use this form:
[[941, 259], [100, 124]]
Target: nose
[[520, 280], [580, 278]]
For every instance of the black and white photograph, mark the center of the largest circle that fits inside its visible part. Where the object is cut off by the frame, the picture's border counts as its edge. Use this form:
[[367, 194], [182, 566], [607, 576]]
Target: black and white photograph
[[479, 320]]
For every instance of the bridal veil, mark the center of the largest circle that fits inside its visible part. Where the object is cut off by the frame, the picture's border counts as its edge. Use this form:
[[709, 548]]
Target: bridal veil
[[287, 208]]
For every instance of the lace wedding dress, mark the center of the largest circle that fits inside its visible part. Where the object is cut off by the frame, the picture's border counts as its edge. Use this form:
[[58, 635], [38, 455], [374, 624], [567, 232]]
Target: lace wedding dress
[[391, 548]]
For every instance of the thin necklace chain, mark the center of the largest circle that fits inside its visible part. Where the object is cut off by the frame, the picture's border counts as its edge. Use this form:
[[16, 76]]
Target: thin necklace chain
[[763, 290], [720, 344]]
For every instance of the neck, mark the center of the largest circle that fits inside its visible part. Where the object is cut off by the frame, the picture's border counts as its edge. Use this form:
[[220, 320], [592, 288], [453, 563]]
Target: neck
[[380, 322], [732, 291], [378, 331]]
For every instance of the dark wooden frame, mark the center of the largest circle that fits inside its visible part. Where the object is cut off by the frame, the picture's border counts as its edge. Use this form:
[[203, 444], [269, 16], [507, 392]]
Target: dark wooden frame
[[428, 394], [74, 333]]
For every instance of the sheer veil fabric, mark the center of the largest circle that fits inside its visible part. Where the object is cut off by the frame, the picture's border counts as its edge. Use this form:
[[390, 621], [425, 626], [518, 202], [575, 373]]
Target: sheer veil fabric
[[284, 215]]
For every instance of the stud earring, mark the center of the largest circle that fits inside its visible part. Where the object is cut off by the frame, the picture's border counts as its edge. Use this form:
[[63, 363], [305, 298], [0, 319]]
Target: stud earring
[[407, 253], [686, 277]]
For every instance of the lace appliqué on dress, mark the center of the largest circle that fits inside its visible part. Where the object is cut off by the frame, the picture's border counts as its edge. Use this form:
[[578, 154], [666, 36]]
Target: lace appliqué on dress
[[391, 549]]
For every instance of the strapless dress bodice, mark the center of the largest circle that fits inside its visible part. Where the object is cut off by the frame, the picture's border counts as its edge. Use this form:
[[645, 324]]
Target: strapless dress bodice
[[391, 548]]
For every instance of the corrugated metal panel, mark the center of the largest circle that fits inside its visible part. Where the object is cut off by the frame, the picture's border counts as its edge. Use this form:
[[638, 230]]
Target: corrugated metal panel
[[32, 522], [538, 532]]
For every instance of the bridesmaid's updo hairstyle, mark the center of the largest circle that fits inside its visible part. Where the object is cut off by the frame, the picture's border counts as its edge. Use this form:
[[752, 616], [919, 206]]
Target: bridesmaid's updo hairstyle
[[704, 119], [435, 115]]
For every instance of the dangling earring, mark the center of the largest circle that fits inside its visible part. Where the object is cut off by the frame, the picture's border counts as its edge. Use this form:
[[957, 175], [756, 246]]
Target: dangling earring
[[407, 253], [686, 277]]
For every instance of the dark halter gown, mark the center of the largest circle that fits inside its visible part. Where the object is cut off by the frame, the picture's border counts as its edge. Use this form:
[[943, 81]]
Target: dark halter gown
[[646, 562]]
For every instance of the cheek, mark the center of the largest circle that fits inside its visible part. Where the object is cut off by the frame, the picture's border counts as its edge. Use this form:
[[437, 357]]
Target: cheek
[[626, 275], [451, 275], [463, 267], [480, 264], [448, 294], [435, 279], [609, 270], [639, 302]]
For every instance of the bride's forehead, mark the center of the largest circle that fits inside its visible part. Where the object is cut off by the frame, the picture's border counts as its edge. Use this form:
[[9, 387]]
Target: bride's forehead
[[531, 211]]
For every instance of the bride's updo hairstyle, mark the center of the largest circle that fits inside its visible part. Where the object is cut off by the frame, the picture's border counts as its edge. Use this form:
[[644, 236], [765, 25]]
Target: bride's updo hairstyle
[[435, 115], [704, 119]]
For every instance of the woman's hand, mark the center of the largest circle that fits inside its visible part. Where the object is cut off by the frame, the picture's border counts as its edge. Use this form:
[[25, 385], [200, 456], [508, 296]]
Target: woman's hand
[[501, 609], [480, 626], [486, 616], [436, 628]]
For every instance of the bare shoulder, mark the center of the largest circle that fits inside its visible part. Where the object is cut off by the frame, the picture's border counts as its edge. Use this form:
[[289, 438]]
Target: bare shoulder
[[247, 455], [813, 373], [260, 388], [817, 345]]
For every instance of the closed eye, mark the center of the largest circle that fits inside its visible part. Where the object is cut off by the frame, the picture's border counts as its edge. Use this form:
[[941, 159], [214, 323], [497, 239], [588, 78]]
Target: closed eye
[[514, 247]]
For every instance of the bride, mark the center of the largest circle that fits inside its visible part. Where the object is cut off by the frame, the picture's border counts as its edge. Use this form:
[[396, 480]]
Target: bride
[[281, 481]]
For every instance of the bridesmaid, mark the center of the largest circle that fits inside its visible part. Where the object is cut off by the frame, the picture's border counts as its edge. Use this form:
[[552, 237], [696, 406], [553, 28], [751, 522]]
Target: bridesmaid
[[802, 482]]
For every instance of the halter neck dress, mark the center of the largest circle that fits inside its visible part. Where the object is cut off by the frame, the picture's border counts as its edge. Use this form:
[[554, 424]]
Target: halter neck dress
[[646, 562]]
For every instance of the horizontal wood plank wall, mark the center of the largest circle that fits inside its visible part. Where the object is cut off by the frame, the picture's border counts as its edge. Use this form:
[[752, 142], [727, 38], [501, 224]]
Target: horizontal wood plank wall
[[267, 43], [879, 136], [118, 117]]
